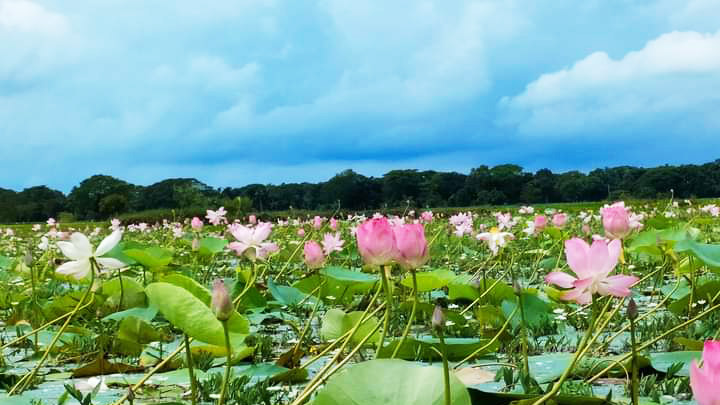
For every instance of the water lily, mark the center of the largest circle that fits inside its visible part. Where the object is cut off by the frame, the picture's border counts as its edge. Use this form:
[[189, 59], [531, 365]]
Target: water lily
[[592, 265], [251, 241], [495, 239], [81, 255]]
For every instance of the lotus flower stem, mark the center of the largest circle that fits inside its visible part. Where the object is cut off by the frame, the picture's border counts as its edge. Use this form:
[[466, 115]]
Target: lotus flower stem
[[488, 344], [27, 379], [228, 365], [191, 372], [412, 315], [388, 309], [446, 368]]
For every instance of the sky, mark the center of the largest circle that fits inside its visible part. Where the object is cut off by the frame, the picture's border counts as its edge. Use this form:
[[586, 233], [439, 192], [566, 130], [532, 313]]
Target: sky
[[269, 91]]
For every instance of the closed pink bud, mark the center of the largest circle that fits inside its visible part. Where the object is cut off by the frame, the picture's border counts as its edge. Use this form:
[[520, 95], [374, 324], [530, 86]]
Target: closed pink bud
[[333, 224], [376, 241], [252, 219], [616, 220], [221, 304], [586, 229], [314, 257], [426, 216], [301, 232], [411, 245], [540, 222], [559, 220], [317, 222], [196, 224]]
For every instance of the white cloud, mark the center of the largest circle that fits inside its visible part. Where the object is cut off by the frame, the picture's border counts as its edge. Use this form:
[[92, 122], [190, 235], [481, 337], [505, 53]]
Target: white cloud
[[676, 74]]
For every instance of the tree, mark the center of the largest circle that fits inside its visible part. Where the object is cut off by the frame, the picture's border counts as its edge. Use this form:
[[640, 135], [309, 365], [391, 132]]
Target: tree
[[84, 199]]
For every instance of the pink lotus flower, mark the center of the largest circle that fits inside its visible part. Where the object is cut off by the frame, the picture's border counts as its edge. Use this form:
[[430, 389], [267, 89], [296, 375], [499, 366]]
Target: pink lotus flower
[[411, 245], [220, 303], [314, 257], [332, 243], [317, 222], [252, 219], [301, 232], [196, 224], [592, 265], [426, 216], [559, 220], [706, 380], [616, 220], [540, 222], [376, 242], [333, 224], [251, 241]]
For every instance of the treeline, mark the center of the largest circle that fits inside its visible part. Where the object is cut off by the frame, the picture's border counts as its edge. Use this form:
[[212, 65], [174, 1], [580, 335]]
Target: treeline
[[100, 197]]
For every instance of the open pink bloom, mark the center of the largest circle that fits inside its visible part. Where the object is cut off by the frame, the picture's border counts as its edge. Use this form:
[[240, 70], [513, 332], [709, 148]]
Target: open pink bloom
[[376, 242], [314, 257], [616, 220], [706, 380], [411, 245], [426, 216], [559, 220], [217, 217], [332, 243], [592, 265], [251, 241]]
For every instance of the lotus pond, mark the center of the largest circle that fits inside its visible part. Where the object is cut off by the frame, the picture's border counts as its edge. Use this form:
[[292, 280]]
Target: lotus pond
[[518, 306]]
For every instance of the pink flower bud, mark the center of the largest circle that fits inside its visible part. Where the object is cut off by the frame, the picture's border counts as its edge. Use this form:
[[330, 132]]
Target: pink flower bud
[[301, 232], [411, 245], [317, 222], [376, 241], [333, 224], [426, 216], [252, 219], [196, 224], [559, 220], [540, 222], [221, 304], [616, 220], [314, 257]]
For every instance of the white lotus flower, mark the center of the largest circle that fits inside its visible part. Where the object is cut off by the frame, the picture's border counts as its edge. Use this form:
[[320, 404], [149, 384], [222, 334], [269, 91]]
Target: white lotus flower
[[80, 252], [495, 239]]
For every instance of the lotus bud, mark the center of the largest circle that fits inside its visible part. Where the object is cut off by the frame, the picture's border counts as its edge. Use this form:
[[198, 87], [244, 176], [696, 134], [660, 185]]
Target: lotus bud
[[632, 310], [221, 304], [438, 318]]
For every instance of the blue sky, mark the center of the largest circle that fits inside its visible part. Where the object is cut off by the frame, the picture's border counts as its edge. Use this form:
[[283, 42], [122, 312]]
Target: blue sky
[[236, 92]]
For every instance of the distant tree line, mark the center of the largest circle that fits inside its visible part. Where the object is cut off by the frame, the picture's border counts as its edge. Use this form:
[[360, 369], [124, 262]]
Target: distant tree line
[[100, 197]]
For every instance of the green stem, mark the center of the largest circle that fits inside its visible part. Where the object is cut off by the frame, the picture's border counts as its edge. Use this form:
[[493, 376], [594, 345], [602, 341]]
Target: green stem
[[584, 344], [386, 320], [446, 368], [635, 378], [226, 379], [191, 372], [412, 315], [27, 379]]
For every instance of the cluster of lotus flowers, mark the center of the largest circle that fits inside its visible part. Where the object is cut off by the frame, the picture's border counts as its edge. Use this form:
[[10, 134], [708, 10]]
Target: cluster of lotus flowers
[[382, 241]]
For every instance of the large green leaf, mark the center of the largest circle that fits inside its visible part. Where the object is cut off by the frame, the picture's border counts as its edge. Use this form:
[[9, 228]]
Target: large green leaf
[[390, 382], [430, 280], [287, 295], [425, 348], [237, 323], [466, 287], [336, 322], [662, 361], [152, 258], [190, 314], [704, 291], [537, 311], [709, 254], [348, 276], [210, 246]]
